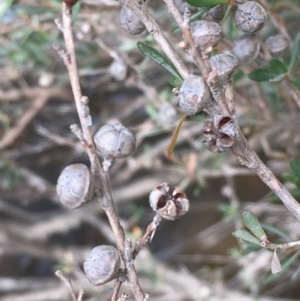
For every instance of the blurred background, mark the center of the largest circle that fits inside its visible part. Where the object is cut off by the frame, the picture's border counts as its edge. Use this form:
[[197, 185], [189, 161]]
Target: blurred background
[[193, 258]]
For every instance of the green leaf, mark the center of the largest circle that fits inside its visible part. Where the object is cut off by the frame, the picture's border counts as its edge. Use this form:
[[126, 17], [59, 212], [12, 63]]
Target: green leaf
[[195, 16], [251, 222], [204, 3], [278, 78], [4, 6], [245, 235], [277, 66], [295, 52], [75, 10], [175, 135], [295, 166], [285, 266], [175, 81], [261, 75], [159, 58]]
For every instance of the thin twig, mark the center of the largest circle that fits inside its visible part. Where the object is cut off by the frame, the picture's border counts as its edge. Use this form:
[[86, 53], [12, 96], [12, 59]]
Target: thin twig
[[67, 282]]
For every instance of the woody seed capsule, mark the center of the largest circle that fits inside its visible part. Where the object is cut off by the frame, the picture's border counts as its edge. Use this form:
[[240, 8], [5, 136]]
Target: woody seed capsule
[[206, 33], [225, 65], [246, 48], [215, 14], [194, 95], [168, 201], [130, 22], [277, 45], [102, 265], [74, 186], [250, 17], [115, 141]]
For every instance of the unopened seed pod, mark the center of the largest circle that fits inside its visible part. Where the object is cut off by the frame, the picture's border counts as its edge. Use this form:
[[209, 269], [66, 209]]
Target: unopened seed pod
[[277, 45], [130, 22], [194, 95], [215, 14], [250, 17], [225, 64], [75, 186], [168, 201], [115, 141], [206, 33], [246, 48], [102, 265]]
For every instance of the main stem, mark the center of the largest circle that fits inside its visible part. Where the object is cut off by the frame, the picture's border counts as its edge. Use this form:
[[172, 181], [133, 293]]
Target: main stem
[[91, 150]]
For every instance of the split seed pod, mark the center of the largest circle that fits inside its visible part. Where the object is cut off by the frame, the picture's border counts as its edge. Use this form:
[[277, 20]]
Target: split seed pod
[[246, 48], [130, 22], [74, 186], [115, 141], [194, 95], [250, 17], [169, 202], [220, 133], [102, 265], [277, 45], [225, 65], [206, 33]]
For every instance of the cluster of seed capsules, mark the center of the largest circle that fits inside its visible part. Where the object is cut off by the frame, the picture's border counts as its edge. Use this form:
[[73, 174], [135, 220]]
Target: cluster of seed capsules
[[75, 187], [194, 95]]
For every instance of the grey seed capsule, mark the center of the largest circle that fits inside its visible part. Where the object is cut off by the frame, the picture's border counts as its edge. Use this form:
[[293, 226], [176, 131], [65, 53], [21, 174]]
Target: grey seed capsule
[[194, 95], [250, 17], [102, 265], [216, 14], [115, 141], [206, 33], [74, 186], [225, 65], [130, 22], [277, 45], [246, 48]]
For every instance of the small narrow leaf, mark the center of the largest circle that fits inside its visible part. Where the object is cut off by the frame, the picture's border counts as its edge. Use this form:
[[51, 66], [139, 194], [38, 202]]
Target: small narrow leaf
[[285, 266], [175, 81], [159, 58], [251, 222], [175, 135], [275, 264], [194, 17], [261, 75], [295, 52], [203, 3], [295, 166], [278, 78], [245, 235], [277, 66]]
